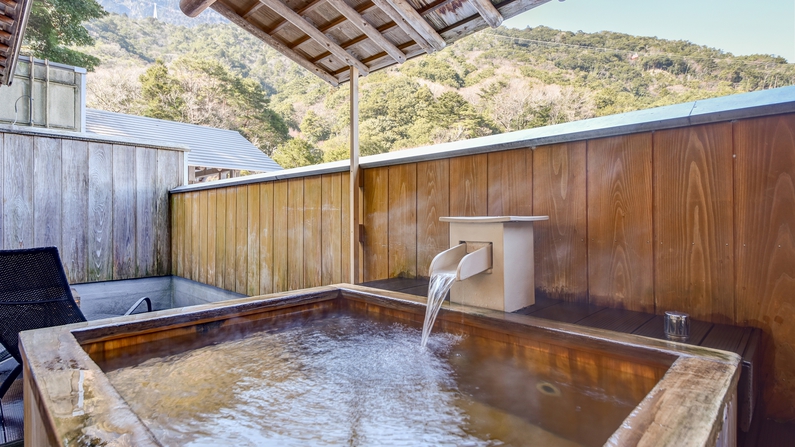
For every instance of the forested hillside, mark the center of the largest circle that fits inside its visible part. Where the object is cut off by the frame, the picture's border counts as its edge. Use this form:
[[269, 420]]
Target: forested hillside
[[494, 81]]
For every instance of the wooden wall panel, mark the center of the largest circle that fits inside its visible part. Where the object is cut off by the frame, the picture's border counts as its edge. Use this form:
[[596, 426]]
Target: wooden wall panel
[[46, 192], [177, 232], [100, 211], [376, 223], [402, 204], [313, 253], [204, 236], [331, 224], [295, 234], [280, 225], [145, 211], [168, 178], [230, 244], [620, 257], [266, 238], [469, 185], [124, 215], [74, 233], [510, 183], [241, 240], [765, 248], [561, 255], [433, 202], [345, 244], [694, 227], [18, 192], [212, 235], [253, 224], [220, 237], [195, 238]]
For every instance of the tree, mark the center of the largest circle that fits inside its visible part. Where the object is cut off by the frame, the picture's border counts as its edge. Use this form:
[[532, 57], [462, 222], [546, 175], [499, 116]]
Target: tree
[[162, 94], [54, 24], [296, 153]]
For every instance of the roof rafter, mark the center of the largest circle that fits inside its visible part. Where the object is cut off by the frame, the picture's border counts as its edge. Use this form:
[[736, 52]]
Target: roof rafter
[[368, 29], [301, 23], [275, 43], [418, 23], [404, 25], [300, 11], [489, 13]]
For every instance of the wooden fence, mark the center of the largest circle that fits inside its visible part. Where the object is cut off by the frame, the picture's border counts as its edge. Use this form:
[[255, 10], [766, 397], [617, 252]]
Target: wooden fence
[[699, 219], [105, 206]]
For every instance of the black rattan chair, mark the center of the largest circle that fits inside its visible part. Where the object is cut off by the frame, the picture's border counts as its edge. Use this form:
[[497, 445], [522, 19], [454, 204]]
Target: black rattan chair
[[34, 294]]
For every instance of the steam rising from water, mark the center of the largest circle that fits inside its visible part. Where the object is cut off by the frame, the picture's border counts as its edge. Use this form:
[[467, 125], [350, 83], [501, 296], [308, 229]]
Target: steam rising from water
[[336, 381]]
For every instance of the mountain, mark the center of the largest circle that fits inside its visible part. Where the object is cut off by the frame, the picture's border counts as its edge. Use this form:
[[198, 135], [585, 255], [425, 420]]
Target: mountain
[[167, 11], [493, 81]]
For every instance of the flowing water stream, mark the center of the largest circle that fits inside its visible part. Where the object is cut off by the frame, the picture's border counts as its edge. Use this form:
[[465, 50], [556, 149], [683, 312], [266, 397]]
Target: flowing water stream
[[441, 282]]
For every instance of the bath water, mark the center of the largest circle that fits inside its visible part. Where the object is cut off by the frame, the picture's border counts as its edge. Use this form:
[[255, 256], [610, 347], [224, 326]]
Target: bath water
[[366, 381], [440, 284]]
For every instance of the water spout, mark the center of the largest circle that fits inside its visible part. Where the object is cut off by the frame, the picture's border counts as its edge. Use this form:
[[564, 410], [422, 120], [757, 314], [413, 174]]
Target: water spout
[[451, 265]]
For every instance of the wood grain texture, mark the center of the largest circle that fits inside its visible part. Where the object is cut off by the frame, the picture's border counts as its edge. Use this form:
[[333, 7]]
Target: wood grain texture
[[561, 266], [345, 237], [433, 202], [313, 252], [376, 223], [177, 234], [694, 222], [402, 205], [46, 192], [469, 185], [241, 240], [620, 257], [220, 237], [295, 234], [212, 236], [765, 248], [204, 236], [510, 183], [331, 225], [100, 212], [230, 244], [195, 235], [168, 178], [253, 224], [18, 192], [124, 215], [187, 247], [280, 231], [266, 238], [145, 205], [74, 234]]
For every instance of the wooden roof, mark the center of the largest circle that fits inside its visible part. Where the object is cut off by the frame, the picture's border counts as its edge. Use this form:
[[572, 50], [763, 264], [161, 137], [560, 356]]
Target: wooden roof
[[13, 17], [328, 36]]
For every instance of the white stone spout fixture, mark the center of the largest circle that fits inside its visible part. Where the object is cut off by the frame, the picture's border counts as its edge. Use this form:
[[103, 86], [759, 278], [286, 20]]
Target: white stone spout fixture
[[492, 258]]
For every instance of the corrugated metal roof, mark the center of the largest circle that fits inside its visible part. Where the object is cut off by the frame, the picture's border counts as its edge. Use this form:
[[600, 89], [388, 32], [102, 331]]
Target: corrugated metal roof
[[209, 147]]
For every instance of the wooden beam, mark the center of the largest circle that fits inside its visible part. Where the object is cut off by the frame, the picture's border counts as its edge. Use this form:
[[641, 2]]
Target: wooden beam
[[416, 21], [192, 8], [435, 6], [253, 9], [355, 206], [301, 23], [489, 13], [404, 25], [301, 11], [331, 25], [276, 44], [367, 28]]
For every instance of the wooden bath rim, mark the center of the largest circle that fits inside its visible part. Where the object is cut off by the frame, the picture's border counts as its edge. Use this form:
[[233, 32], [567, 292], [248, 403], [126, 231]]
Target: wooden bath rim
[[69, 400]]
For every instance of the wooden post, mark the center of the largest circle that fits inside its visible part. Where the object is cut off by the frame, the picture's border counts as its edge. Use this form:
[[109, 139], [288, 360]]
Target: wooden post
[[356, 248]]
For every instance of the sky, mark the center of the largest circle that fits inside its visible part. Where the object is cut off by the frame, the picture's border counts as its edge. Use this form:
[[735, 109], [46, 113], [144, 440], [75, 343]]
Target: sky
[[739, 27]]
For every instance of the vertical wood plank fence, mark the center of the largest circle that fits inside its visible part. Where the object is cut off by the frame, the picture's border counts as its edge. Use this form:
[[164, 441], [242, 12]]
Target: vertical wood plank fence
[[698, 218], [104, 205]]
